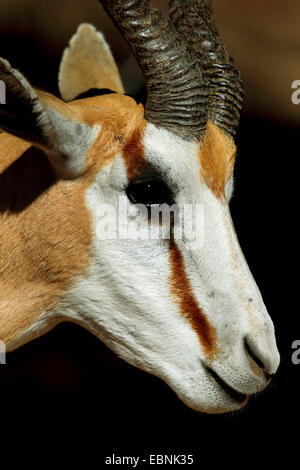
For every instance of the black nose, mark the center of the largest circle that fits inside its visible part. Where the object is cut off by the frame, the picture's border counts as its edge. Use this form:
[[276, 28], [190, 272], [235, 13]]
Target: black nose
[[258, 362]]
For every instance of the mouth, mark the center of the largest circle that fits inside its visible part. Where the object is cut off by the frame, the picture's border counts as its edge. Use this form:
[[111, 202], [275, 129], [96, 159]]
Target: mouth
[[238, 397]]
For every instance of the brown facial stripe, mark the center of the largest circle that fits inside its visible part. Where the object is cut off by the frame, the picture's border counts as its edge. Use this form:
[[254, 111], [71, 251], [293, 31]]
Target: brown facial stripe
[[217, 155], [181, 288], [134, 152]]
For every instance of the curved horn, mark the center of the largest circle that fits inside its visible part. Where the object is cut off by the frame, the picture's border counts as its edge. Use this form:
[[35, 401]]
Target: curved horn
[[194, 21], [177, 100]]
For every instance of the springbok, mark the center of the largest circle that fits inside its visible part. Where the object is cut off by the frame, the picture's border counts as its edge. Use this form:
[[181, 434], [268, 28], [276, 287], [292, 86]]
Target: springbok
[[193, 317]]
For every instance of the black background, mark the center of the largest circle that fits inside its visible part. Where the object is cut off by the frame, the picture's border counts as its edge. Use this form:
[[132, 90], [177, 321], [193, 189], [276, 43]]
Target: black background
[[67, 391]]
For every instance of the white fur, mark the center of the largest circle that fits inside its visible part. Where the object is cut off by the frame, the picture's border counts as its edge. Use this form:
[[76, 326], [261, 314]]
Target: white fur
[[71, 139]]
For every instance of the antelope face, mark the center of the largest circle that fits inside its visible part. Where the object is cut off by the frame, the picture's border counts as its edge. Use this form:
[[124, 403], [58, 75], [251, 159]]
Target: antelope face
[[191, 315], [187, 311]]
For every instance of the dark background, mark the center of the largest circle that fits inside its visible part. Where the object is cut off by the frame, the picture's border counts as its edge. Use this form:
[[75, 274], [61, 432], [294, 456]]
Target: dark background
[[66, 390]]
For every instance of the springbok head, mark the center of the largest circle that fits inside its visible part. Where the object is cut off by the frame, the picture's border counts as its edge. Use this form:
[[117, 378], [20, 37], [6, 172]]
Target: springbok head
[[188, 313]]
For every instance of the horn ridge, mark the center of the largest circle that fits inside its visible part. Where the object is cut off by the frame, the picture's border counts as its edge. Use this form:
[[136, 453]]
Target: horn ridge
[[177, 99], [194, 21]]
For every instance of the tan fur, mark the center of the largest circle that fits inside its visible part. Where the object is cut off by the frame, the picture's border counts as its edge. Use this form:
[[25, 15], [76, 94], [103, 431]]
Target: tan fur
[[120, 117], [10, 149], [217, 155], [51, 101], [45, 227], [134, 153], [88, 63]]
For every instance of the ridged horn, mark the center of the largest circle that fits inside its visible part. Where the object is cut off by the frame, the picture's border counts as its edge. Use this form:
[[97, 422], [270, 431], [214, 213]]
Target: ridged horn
[[177, 99], [194, 21]]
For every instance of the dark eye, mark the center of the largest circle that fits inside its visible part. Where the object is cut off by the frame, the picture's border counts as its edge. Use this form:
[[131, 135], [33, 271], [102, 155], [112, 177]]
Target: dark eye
[[149, 193]]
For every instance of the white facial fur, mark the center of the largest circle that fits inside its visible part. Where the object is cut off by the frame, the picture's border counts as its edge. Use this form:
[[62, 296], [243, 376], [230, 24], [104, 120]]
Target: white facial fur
[[125, 299]]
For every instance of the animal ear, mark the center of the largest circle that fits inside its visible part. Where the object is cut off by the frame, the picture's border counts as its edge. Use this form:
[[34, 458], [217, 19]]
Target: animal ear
[[87, 63], [45, 121]]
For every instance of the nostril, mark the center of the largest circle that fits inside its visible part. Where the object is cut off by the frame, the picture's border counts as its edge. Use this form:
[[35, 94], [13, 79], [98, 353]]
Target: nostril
[[268, 376], [254, 357], [258, 362]]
